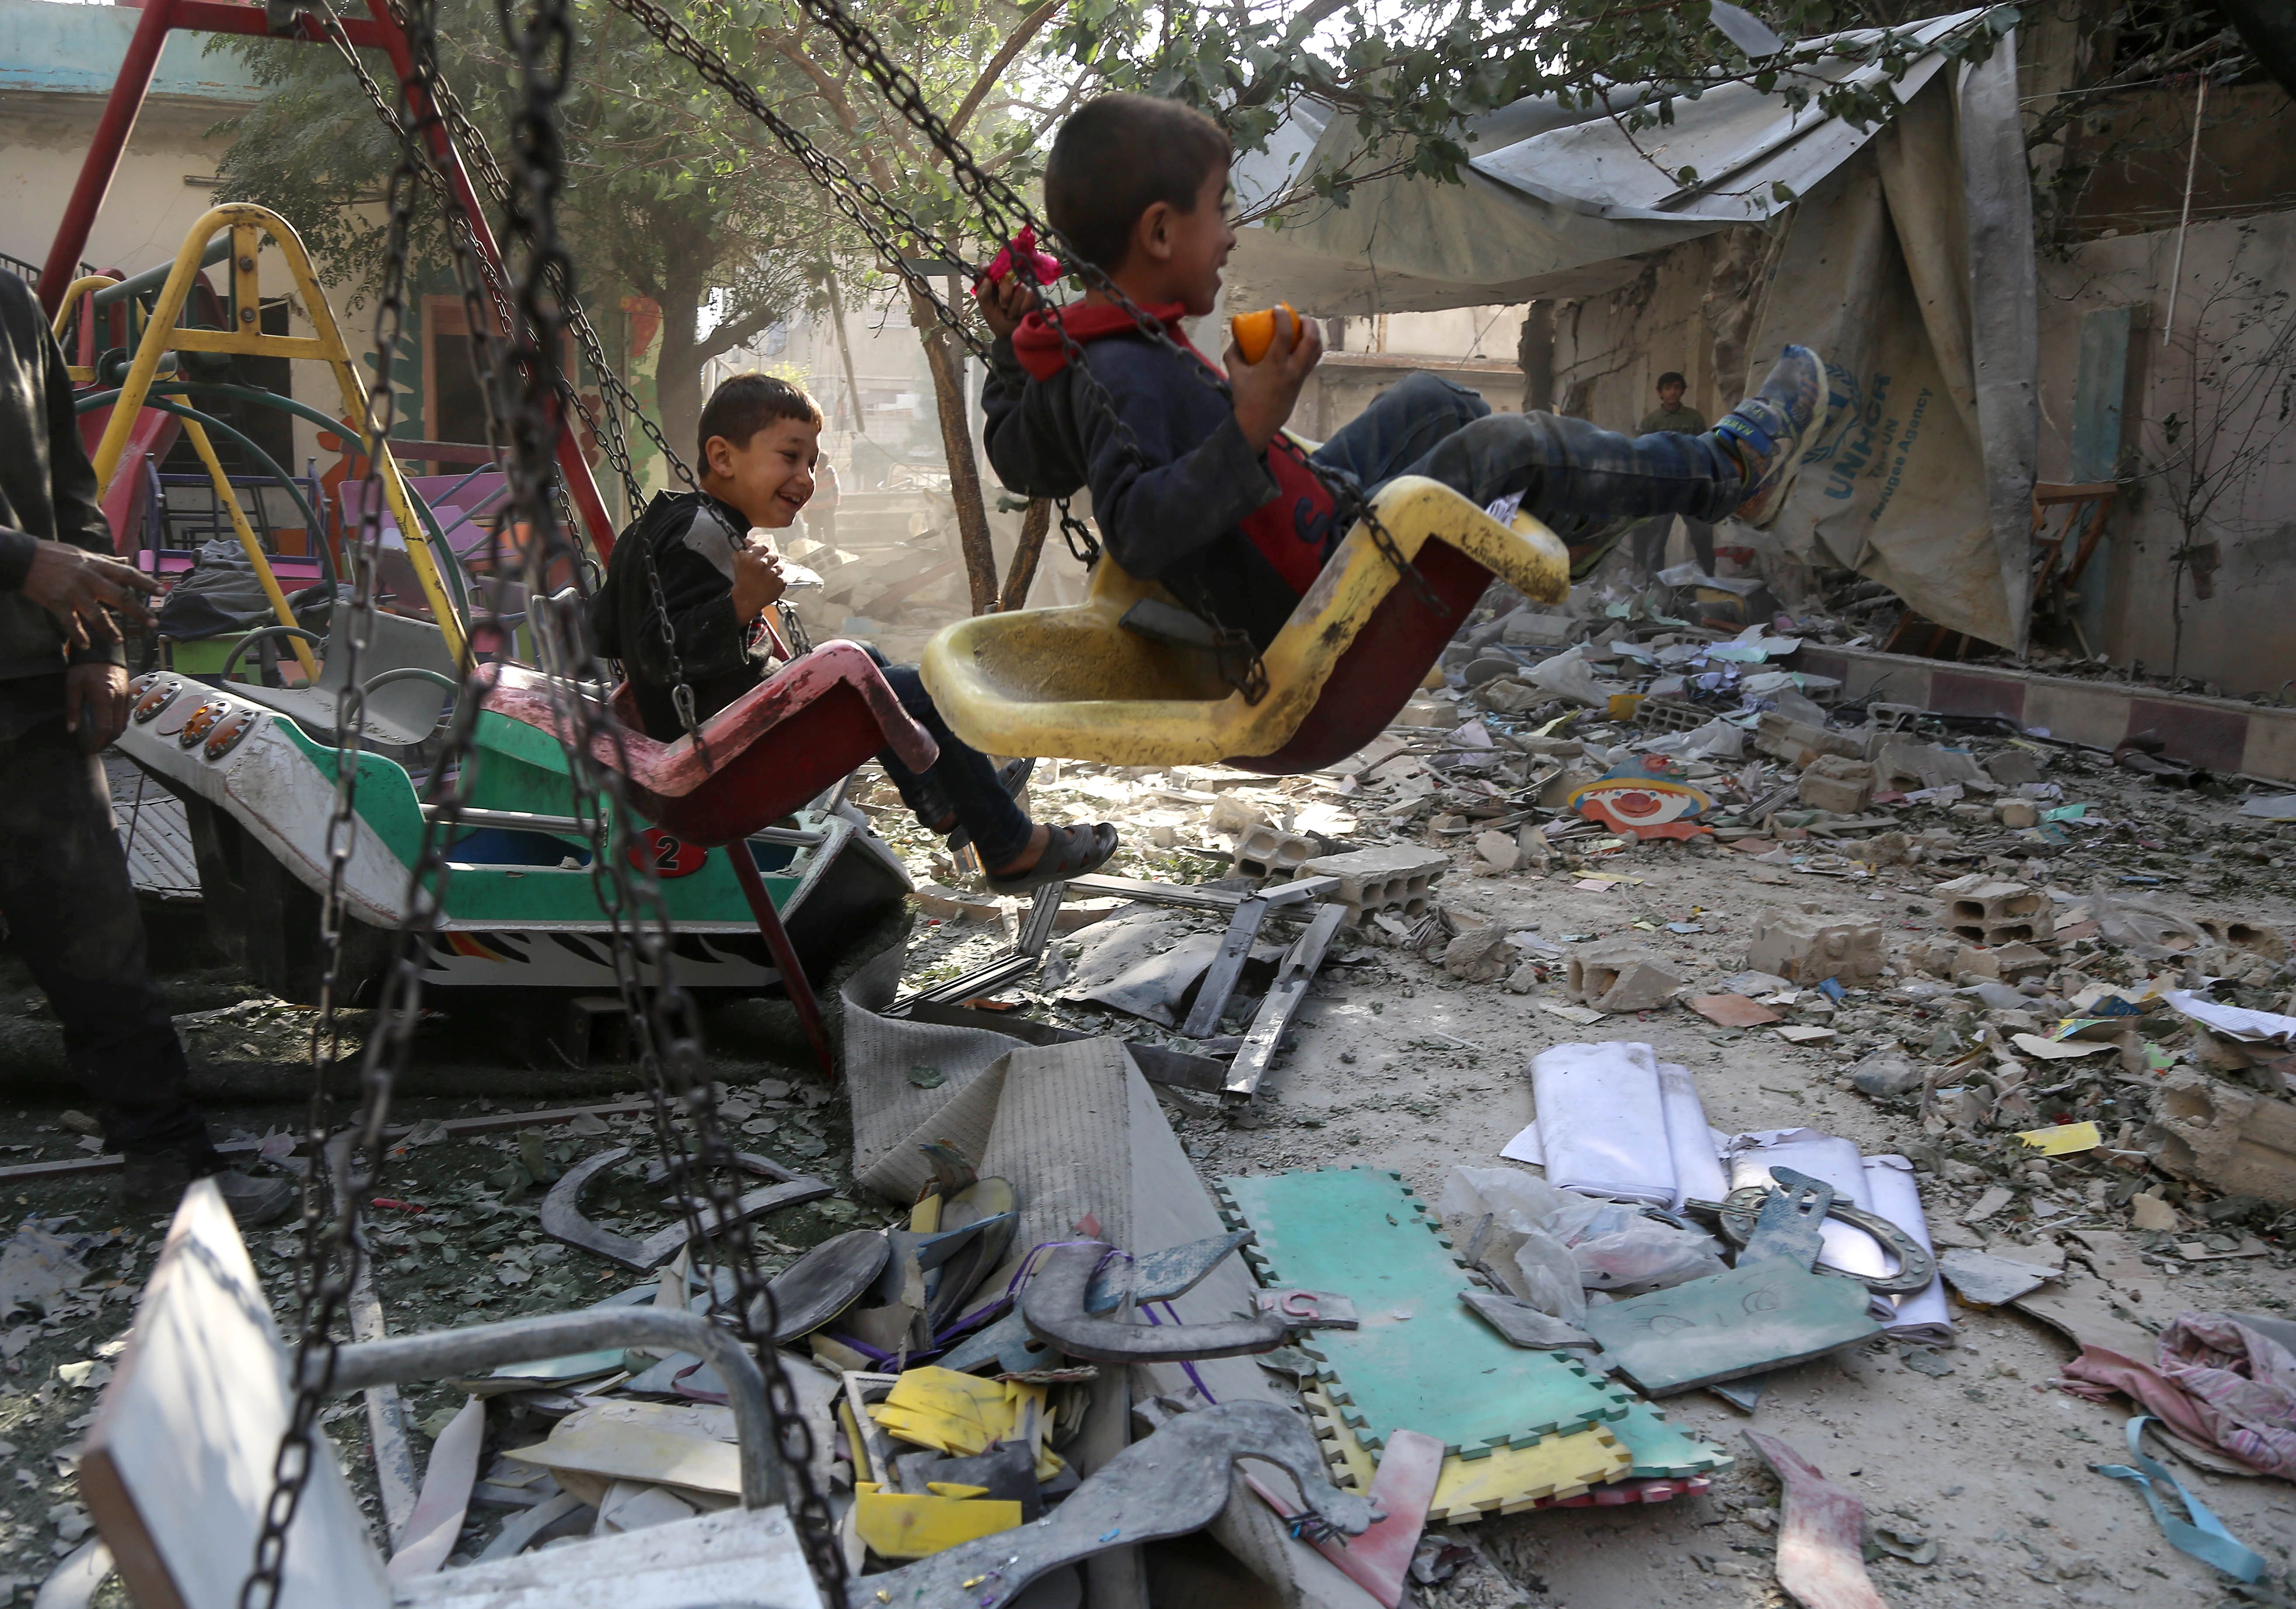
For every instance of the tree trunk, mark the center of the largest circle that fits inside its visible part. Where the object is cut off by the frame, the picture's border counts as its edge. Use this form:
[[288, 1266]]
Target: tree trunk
[[956, 441], [1022, 575], [677, 382]]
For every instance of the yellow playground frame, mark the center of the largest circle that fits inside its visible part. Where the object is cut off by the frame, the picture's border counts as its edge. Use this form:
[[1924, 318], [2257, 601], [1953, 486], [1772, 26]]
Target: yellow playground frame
[[250, 225]]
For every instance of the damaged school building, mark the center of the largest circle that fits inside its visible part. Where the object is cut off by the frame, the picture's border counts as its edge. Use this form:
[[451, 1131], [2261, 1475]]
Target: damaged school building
[[1774, 1084]]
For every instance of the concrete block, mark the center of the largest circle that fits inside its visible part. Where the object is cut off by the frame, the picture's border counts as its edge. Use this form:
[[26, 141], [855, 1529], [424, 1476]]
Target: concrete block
[[2011, 963], [1396, 877], [2017, 813], [1480, 955], [2255, 938], [1988, 909], [1622, 977], [1800, 743], [2235, 1139], [2012, 768], [1523, 979], [1498, 851], [1908, 763], [1805, 948], [1836, 783], [1233, 817], [1560, 789], [1266, 852]]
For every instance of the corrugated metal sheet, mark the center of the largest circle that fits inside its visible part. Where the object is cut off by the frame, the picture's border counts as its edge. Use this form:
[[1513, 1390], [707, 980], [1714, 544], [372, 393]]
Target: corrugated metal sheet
[[154, 832]]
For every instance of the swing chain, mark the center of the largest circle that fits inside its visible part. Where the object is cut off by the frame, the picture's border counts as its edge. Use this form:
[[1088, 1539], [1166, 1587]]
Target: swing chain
[[709, 1172], [1003, 207], [328, 1263]]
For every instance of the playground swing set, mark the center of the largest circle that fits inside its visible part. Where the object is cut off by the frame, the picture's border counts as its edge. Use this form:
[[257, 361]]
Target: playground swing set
[[206, 1471]]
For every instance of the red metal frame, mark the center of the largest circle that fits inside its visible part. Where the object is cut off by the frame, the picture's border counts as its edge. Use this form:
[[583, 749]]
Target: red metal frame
[[102, 166]]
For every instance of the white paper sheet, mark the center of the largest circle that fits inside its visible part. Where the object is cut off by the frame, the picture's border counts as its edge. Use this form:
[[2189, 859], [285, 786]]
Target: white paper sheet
[[1926, 1315], [1602, 1122]]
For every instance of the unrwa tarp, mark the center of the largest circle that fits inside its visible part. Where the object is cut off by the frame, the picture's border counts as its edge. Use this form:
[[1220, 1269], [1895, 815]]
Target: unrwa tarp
[[1920, 474]]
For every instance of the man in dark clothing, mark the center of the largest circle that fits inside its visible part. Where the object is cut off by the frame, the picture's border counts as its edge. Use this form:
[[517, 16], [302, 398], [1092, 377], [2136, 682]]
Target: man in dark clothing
[[64, 697], [1648, 541], [1199, 489]]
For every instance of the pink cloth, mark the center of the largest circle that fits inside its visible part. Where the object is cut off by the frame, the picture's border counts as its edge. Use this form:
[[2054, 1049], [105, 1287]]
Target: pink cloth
[[2219, 1383], [2244, 1382]]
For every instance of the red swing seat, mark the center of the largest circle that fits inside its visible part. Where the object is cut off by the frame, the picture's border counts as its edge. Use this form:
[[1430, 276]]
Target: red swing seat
[[779, 745]]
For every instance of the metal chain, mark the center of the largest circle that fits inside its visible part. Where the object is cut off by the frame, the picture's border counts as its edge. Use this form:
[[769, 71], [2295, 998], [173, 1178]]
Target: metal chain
[[327, 1265], [1007, 212], [542, 43]]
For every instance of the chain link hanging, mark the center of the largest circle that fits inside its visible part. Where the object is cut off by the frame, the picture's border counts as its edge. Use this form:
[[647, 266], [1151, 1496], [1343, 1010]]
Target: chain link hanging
[[522, 393]]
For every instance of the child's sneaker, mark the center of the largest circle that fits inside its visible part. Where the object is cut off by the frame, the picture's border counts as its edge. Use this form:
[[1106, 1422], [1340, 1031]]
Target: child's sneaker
[[1765, 431]]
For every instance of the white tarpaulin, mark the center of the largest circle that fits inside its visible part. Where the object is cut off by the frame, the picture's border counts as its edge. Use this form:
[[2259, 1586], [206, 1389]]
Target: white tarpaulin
[[1921, 475]]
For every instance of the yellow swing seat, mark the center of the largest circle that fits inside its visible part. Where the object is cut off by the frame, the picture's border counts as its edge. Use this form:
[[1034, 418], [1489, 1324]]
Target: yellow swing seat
[[1074, 684]]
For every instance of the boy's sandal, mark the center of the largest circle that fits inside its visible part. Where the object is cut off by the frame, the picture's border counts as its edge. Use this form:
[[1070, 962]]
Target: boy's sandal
[[1012, 776], [1070, 852]]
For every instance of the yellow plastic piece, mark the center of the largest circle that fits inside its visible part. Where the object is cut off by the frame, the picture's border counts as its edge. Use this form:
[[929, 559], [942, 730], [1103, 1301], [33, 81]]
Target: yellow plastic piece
[[905, 1526], [924, 1218], [250, 227], [1073, 684], [962, 1414], [1508, 1479], [2064, 1138], [954, 1489]]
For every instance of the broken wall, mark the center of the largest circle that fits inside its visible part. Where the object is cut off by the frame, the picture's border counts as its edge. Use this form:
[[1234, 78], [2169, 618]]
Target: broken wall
[[2190, 580]]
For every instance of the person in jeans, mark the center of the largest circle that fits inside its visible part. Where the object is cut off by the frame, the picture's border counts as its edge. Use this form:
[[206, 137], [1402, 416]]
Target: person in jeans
[[1648, 541], [70, 910], [1199, 489]]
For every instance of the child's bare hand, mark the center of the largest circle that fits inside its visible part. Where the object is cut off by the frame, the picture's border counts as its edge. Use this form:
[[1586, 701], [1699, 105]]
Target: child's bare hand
[[756, 581], [1267, 391], [1009, 301]]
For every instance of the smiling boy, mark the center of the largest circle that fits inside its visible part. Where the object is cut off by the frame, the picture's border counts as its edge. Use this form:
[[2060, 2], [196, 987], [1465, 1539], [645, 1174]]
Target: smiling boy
[[761, 443], [1201, 490]]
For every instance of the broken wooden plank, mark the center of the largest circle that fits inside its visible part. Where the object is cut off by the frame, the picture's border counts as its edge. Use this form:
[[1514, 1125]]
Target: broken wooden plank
[[1821, 1539], [182, 1452], [1285, 998], [1220, 982]]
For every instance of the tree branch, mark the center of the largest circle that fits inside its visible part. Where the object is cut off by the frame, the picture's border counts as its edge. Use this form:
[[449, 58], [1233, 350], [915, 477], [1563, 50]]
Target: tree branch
[[1014, 44]]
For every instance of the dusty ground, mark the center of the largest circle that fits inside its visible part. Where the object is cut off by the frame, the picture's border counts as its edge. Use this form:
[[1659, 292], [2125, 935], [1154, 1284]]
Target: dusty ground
[[1397, 1066]]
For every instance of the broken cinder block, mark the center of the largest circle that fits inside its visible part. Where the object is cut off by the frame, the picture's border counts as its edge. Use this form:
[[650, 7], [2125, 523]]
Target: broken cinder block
[[2234, 1140], [1480, 955], [1396, 877], [1798, 743], [1987, 910], [1266, 852], [1908, 764], [1804, 947], [1622, 977], [2011, 963], [1836, 783], [2254, 937]]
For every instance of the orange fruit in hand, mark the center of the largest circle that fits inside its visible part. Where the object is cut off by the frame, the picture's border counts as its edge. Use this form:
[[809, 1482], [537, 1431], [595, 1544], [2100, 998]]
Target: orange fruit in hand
[[1255, 333]]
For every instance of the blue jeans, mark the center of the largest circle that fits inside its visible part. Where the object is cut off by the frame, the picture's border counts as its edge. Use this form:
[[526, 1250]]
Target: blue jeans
[[1586, 484], [962, 780]]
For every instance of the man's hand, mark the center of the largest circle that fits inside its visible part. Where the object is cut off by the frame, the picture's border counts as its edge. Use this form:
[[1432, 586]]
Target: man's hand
[[1267, 391], [756, 581], [1009, 301], [80, 588], [95, 705]]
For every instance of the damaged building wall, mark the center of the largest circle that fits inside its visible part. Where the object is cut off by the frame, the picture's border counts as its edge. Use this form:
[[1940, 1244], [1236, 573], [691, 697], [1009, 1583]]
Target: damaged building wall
[[2201, 549], [1684, 311]]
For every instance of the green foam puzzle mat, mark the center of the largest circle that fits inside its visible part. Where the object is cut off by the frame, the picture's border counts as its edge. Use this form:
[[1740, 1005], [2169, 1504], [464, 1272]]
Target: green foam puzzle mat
[[1422, 1361]]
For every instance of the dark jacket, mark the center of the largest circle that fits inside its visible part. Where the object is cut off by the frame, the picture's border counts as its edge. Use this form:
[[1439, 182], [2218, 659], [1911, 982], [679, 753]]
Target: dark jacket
[[47, 488], [1171, 483], [692, 537]]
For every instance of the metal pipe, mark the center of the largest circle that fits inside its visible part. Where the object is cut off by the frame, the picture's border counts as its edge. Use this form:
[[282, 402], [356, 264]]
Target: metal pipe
[[102, 162], [460, 1353], [155, 276], [527, 820]]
